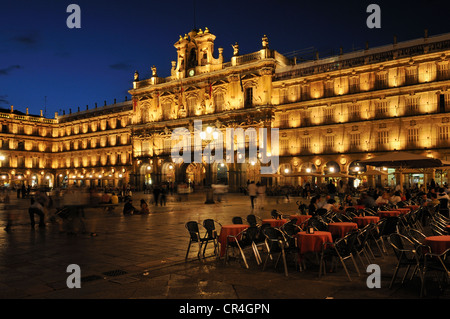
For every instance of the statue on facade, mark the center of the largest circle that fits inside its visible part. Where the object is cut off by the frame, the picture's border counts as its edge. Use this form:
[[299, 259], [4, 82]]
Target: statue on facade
[[136, 76], [235, 49], [154, 71], [182, 111], [265, 42]]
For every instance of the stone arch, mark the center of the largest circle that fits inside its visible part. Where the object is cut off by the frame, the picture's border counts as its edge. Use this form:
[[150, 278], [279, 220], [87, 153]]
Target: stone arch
[[331, 167]]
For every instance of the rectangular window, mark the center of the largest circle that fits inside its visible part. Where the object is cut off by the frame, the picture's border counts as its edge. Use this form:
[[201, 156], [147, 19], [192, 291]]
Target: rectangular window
[[329, 114], [219, 102], [284, 120], [354, 112], [329, 88], [306, 143], [381, 108], [354, 84], [413, 135], [412, 105], [411, 76], [305, 117], [284, 146], [383, 138], [355, 139], [167, 145], [248, 97], [305, 93], [382, 80], [442, 71], [443, 133], [329, 142]]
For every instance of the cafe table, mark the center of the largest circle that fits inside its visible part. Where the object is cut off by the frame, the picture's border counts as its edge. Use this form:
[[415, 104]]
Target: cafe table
[[229, 230], [356, 207], [312, 242], [438, 244], [300, 218], [412, 207], [340, 229], [362, 221], [403, 210], [388, 213], [274, 222]]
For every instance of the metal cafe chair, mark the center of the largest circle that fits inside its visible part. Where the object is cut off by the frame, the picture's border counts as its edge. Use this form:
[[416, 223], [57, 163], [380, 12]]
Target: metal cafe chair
[[341, 249], [408, 254], [211, 235], [194, 237], [277, 243], [246, 238]]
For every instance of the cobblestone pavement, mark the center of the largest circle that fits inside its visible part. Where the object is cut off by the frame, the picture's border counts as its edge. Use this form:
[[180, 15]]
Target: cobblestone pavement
[[142, 257]]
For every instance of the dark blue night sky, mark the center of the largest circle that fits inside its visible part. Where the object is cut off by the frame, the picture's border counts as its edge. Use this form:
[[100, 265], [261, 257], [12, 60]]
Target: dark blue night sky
[[45, 65]]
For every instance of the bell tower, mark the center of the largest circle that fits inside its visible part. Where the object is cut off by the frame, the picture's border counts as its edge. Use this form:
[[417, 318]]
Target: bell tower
[[195, 53]]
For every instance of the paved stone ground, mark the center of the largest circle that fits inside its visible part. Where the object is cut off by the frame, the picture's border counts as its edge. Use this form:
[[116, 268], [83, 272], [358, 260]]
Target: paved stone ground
[[142, 257]]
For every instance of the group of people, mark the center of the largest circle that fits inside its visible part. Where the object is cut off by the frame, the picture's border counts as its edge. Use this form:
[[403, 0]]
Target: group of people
[[129, 209], [257, 193], [379, 197]]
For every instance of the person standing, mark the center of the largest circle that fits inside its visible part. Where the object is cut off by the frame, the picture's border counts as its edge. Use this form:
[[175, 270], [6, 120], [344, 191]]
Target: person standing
[[261, 192], [156, 192], [252, 192], [38, 209]]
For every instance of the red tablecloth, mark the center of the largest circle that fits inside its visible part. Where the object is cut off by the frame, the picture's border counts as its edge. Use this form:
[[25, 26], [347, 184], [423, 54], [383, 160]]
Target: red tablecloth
[[447, 228], [388, 213], [312, 242], [413, 207], [365, 220], [300, 218], [226, 231], [438, 244], [357, 207], [275, 222], [341, 229], [403, 210]]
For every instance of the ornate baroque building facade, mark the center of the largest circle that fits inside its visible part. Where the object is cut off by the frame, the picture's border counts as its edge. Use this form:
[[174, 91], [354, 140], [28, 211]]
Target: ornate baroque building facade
[[331, 112]]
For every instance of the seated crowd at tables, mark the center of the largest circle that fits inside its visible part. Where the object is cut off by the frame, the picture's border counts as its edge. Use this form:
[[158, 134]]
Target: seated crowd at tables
[[378, 197]]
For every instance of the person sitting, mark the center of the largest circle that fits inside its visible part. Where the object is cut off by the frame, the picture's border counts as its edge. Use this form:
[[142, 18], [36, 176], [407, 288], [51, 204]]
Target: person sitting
[[114, 199], [396, 198], [382, 199], [367, 201], [312, 208], [348, 201], [144, 208], [331, 206], [128, 208], [442, 194], [434, 200]]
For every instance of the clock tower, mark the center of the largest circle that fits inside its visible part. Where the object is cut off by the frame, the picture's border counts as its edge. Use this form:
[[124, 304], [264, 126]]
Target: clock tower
[[195, 54]]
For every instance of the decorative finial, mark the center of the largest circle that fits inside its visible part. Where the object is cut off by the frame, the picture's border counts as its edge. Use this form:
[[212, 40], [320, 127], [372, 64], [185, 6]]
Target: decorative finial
[[206, 30], [181, 38]]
